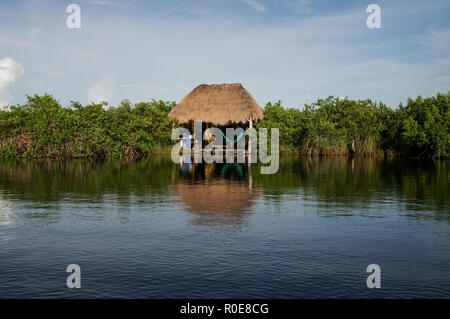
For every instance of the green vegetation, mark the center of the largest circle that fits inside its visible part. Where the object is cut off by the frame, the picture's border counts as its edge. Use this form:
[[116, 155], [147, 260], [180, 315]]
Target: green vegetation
[[42, 128], [336, 126]]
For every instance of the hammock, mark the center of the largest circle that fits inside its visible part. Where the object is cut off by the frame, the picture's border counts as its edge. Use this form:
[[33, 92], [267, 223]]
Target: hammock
[[232, 166], [237, 139]]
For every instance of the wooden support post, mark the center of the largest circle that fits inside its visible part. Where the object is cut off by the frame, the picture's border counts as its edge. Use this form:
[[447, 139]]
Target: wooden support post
[[250, 177], [250, 125]]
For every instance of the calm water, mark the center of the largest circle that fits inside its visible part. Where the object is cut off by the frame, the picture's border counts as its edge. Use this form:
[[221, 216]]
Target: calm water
[[151, 229]]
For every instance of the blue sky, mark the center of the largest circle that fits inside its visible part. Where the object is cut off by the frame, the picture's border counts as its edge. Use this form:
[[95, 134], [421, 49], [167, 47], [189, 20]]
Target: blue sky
[[290, 50]]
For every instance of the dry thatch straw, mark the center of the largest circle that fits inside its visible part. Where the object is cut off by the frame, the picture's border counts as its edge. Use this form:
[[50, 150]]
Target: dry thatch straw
[[219, 104]]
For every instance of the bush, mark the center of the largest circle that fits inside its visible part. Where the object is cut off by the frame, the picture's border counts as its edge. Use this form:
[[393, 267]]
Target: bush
[[331, 126], [336, 126], [42, 128]]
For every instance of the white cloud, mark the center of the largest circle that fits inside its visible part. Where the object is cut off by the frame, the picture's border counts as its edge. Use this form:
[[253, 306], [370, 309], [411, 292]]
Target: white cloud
[[15, 42], [256, 5], [6, 214], [437, 39], [135, 86], [331, 52], [35, 31], [99, 2], [103, 90], [10, 70], [303, 6]]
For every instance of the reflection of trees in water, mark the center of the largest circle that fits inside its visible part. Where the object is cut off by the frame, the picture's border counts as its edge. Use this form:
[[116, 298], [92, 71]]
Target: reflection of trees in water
[[41, 186], [359, 180], [415, 186], [45, 180]]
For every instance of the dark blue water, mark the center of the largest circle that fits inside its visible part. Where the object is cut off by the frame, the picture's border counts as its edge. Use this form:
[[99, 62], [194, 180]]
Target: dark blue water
[[149, 229]]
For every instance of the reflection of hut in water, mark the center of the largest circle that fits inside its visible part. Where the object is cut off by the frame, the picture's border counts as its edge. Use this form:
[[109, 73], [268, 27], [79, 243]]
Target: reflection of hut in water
[[217, 202], [234, 171]]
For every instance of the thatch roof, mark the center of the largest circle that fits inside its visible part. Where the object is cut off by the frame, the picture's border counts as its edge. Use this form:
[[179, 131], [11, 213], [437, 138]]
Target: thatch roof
[[219, 104]]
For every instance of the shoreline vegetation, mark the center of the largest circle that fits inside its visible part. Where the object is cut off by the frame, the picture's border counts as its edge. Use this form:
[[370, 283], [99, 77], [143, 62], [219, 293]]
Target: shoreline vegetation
[[42, 128]]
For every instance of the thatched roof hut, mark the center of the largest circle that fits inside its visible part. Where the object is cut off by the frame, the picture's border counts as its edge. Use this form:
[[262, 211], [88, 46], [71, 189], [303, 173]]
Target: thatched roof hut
[[219, 104]]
